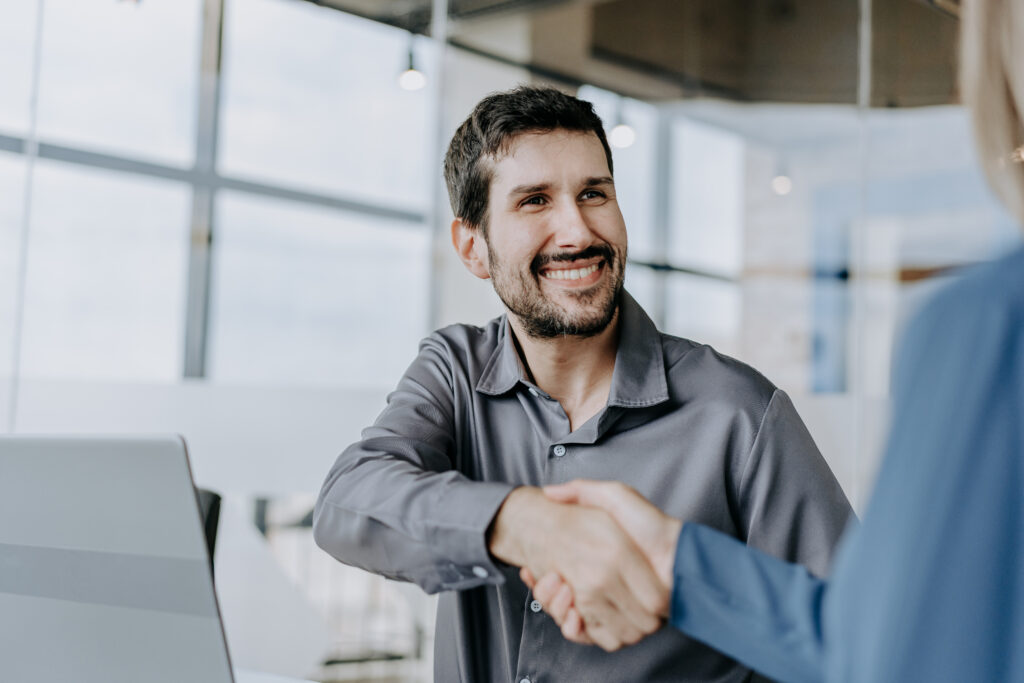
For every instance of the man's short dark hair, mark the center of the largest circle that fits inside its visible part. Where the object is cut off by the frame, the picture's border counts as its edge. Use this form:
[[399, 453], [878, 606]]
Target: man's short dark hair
[[489, 131]]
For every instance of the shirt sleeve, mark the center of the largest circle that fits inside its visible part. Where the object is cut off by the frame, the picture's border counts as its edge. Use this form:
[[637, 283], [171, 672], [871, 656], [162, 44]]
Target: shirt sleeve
[[790, 504], [750, 601], [759, 610], [393, 504]]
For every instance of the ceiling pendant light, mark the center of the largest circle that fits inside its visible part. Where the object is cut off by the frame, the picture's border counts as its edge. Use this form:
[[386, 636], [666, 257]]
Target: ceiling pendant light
[[782, 185], [622, 134], [412, 78]]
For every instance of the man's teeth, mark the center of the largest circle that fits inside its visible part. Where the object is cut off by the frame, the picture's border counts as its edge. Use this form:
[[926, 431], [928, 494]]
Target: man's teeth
[[574, 274]]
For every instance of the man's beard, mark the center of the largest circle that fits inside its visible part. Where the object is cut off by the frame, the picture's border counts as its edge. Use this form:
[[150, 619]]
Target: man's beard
[[544, 319]]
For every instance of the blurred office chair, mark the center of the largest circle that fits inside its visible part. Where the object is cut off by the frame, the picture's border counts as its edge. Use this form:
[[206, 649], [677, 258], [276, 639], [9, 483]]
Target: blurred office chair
[[209, 507]]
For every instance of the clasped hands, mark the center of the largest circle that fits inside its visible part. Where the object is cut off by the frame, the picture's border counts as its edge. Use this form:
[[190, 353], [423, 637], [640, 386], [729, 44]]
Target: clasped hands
[[596, 555]]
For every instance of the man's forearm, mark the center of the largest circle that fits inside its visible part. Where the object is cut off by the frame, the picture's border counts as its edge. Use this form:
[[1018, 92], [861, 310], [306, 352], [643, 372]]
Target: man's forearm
[[505, 534], [386, 515]]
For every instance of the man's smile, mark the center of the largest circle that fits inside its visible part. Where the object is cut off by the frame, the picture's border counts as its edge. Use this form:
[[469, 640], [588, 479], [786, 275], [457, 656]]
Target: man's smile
[[577, 273]]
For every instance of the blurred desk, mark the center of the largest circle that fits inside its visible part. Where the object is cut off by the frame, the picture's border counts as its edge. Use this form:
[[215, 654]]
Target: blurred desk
[[235, 434]]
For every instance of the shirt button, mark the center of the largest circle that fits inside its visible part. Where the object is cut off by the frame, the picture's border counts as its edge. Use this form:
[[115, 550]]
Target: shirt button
[[559, 451], [524, 680], [535, 606], [480, 571]]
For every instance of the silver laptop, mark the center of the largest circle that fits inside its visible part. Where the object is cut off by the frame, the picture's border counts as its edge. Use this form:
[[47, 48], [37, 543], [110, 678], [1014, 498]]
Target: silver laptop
[[104, 570]]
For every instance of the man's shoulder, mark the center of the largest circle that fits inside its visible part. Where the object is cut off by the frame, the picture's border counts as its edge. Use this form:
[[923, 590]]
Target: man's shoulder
[[462, 337], [698, 372], [464, 350]]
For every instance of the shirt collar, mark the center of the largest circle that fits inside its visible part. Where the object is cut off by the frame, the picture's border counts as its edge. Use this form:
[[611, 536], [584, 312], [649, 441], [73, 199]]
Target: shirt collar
[[504, 368], [639, 377]]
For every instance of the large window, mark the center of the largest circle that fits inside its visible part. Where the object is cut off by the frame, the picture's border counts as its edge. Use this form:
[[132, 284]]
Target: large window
[[121, 77], [17, 38], [328, 286], [310, 295], [310, 99], [106, 274], [12, 178]]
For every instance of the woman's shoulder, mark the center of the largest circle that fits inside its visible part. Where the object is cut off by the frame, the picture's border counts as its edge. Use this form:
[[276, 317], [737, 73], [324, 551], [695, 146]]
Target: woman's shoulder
[[996, 284], [975, 320], [976, 302]]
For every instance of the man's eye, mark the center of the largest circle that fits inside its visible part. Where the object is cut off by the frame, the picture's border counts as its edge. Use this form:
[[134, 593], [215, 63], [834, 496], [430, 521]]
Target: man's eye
[[536, 201], [592, 194]]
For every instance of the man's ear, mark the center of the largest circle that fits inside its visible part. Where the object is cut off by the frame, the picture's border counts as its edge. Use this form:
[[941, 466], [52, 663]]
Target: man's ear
[[471, 247]]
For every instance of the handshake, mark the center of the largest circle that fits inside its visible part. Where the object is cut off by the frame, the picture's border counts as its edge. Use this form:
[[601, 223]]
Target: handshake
[[597, 555]]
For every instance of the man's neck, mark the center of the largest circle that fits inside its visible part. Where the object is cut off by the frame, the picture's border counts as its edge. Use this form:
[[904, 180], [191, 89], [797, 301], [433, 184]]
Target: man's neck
[[576, 371]]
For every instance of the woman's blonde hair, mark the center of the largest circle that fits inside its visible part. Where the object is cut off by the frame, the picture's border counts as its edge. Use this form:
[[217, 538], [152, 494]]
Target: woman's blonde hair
[[992, 80]]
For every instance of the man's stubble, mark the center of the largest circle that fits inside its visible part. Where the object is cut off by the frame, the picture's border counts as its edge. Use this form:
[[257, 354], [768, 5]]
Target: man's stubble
[[544, 319]]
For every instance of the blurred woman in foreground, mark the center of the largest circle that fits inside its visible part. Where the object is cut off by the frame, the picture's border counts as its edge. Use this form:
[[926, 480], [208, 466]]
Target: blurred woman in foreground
[[930, 587]]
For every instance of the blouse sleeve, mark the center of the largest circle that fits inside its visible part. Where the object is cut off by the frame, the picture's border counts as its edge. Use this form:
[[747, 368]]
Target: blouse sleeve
[[932, 588], [759, 610]]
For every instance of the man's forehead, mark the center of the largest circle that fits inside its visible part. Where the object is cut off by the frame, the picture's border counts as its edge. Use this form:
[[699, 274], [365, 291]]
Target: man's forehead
[[536, 153]]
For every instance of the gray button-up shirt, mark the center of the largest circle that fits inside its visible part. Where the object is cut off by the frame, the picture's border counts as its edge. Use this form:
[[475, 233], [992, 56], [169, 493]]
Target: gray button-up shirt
[[704, 437]]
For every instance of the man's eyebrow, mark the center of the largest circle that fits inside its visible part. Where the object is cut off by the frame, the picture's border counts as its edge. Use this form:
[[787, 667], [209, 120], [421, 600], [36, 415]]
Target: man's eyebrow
[[529, 189]]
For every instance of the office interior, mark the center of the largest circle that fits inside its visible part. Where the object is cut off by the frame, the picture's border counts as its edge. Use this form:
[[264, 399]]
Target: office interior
[[226, 219]]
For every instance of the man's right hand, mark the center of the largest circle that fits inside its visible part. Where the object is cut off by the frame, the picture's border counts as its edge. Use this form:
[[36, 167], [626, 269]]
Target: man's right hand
[[614, 588], [652, 530]]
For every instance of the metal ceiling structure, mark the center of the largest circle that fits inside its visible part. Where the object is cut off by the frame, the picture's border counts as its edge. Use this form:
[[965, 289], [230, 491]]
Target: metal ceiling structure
[[801, 51], [414, 15]]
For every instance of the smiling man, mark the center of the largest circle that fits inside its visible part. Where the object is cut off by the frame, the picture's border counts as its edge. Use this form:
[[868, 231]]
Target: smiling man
[[574, 381]]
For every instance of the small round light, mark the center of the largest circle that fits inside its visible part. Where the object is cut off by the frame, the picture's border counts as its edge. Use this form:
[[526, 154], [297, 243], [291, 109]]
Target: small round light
[[411, 79], [622, 136], [782, 185]]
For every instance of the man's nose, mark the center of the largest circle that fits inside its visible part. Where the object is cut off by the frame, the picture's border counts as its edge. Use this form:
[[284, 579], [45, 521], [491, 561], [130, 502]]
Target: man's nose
[[572, 231]]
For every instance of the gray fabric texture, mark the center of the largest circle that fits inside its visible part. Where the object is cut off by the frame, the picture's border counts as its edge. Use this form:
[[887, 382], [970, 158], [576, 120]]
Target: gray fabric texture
[[704, 437]]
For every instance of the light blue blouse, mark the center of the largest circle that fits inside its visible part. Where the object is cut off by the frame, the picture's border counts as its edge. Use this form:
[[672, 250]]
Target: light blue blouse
[[930, 586]]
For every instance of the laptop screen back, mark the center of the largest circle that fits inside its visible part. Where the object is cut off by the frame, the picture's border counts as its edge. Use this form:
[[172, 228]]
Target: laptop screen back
[[104, 572]]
